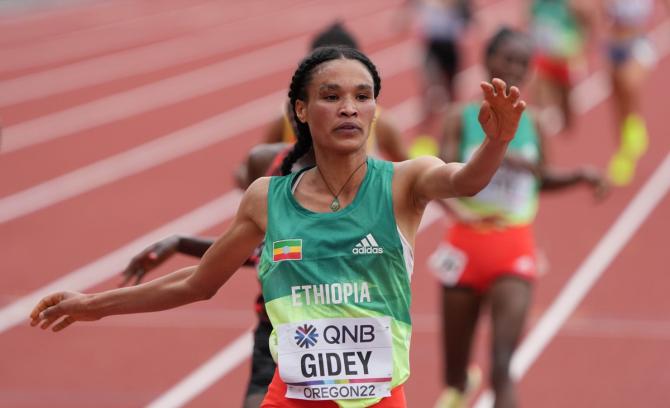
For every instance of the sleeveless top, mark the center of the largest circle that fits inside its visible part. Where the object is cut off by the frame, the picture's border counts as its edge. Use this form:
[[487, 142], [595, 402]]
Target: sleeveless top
[[554, 29], [337, 290], [513, 192]]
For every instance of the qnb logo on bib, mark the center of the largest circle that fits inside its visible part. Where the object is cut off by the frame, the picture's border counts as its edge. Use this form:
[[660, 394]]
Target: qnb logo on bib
[[367, 245], [306, 336], [353, 358]]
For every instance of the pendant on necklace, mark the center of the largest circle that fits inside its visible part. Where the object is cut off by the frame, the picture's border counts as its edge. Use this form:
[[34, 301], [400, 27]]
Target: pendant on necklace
[[335, 205]]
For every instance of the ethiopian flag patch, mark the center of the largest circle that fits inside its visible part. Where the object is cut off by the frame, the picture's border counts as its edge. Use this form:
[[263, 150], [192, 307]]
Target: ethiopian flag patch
[[287, 250]]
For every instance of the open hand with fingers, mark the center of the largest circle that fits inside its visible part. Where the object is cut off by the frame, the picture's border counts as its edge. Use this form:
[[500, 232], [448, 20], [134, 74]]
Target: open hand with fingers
[[63, 309], [150, 258], [500, 111]]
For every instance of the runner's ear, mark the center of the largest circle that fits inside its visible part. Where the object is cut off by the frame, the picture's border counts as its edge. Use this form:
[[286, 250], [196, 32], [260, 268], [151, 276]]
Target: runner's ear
[[301, 111]]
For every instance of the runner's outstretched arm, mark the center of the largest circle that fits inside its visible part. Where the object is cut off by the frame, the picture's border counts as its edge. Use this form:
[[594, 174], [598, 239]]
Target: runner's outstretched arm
[[187, 285]]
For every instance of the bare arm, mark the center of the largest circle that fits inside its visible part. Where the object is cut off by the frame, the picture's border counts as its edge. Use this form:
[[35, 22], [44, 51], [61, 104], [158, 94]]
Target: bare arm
[[156, 254], [275, 131], [187, 285], [552, 179]]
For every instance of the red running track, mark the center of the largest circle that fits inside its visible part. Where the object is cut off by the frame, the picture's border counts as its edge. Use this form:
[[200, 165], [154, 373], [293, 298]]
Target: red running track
[[610, 352]]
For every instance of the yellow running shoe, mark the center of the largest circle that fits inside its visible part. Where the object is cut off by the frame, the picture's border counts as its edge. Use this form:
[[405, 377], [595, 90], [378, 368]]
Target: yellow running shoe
[[621, 169], [634, 139], [423, 145], [453, 398], [634, 143]]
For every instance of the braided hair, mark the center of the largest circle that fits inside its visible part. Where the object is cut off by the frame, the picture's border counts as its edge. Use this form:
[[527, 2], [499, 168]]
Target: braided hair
[[298, 90]]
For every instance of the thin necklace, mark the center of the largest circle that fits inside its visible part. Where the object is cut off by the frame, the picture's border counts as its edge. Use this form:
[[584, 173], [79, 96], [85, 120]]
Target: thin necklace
[[335, 204]]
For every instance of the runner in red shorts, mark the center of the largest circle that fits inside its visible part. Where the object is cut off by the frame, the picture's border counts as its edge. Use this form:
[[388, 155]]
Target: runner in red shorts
[[558, 29], [490, 254]]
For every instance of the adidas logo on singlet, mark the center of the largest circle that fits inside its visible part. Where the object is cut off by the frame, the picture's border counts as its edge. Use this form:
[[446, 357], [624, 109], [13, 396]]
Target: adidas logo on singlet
[[367, 245]]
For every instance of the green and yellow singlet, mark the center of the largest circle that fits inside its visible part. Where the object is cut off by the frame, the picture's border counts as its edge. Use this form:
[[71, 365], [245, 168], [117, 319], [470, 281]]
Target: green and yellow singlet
[[337, 291]]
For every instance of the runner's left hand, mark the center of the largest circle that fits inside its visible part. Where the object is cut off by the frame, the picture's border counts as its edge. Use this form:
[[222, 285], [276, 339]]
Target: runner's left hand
[[595, 180], [501, 111], [64, 307]]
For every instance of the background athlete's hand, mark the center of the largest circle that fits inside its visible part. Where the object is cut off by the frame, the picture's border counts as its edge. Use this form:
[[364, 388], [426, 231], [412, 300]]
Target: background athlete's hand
[[500, 112], [64, 308], [518, 162], [150, 258], [596, 181]]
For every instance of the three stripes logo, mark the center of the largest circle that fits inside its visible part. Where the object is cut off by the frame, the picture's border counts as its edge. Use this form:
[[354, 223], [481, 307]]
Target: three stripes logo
[[367, 245]]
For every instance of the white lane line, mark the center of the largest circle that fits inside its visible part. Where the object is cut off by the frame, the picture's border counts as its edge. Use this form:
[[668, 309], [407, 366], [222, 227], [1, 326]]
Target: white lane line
[[110, 17], [155, 95], [169, 147], [31, 11], [152, 96], [231, 123], [202, 378], [156, 56], [607, 249], [587, 95], [129, 32], [595, 327], [204, 217]]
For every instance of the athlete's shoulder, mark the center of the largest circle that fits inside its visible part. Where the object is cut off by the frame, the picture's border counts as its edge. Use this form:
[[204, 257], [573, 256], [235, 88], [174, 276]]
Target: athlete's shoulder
[[254, 203], [257, 192]]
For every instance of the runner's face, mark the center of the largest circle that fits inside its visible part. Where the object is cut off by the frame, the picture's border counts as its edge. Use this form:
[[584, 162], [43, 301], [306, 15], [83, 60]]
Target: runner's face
[[510, 61], [340, 105]]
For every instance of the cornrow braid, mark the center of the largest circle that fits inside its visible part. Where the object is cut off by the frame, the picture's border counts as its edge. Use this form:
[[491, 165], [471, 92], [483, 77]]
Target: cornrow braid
[[298, 90], [300, 148]]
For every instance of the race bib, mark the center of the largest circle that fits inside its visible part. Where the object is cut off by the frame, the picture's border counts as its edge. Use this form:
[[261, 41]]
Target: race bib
[[336, 359], [510, 190], [448, 263]]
